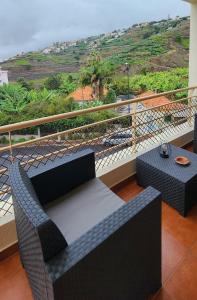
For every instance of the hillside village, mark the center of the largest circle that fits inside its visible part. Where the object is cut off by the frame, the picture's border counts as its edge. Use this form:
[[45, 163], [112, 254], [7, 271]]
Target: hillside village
[[154, 46], [94, 42], [111, 36]]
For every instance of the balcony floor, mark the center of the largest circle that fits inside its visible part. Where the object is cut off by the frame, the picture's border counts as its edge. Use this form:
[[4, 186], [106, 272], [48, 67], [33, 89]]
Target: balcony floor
[[179, 256]]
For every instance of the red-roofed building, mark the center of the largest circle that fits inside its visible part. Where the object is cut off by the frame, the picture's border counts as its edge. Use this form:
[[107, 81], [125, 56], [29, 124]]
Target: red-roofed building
[[84, 94], [155, 101], [168, 104], [174, 110], [158, 101]]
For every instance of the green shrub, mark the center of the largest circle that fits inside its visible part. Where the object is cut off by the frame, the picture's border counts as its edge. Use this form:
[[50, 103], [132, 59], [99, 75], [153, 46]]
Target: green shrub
[[24, 83], [157, 81], [54, 82], [4, 140], [110, 97]]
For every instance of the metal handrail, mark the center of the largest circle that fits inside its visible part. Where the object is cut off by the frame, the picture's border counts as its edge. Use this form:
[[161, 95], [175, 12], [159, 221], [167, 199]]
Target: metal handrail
[[68, 131], [50, 119]]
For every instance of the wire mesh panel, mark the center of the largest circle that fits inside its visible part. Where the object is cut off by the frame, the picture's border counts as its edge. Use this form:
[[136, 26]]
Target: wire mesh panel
[[124, 134], [160, 123], [5, 193], [104, 138]]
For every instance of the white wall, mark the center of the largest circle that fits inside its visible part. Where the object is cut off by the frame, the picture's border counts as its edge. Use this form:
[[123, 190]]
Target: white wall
[[3, 77], [7, 232], [193, 46]]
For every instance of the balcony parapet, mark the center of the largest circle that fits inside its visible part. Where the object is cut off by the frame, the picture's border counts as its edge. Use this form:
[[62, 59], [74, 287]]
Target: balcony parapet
[[114, 140]]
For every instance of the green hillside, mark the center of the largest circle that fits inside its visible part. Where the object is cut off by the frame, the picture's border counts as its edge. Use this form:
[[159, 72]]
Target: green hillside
[[154, 46]]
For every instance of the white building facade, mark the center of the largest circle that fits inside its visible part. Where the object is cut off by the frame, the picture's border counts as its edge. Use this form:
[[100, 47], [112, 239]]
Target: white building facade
[[3, 77], [193, 44]]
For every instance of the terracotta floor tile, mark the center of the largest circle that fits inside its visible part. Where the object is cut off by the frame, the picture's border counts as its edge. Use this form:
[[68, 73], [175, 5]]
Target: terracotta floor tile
[[15, 287], [172, 254], [183, 284], [189, 147], [162, 295], [183, 229], [124, 195], [129, 191], [10, 266], [193, 250]]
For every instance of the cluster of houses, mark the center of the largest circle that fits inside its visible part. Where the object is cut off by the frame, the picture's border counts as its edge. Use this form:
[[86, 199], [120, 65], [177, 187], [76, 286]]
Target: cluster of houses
[[59, 47], [92, 43], [159, 23]]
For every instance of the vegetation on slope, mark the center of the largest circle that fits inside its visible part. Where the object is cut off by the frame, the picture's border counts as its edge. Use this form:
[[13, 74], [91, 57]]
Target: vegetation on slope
[[18, 103], [153, 46]]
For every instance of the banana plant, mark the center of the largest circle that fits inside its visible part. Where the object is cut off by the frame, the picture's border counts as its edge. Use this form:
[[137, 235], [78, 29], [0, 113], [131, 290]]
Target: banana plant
[[13, 98]]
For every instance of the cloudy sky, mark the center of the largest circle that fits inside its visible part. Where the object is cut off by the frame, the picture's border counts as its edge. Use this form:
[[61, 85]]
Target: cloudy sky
[[33, 24]]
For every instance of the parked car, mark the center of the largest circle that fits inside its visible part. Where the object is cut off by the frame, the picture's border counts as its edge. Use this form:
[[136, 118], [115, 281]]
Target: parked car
[[148, 129], [118, 138]]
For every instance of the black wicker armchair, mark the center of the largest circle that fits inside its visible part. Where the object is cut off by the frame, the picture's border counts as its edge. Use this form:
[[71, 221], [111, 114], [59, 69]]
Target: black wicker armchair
[[78, 240]]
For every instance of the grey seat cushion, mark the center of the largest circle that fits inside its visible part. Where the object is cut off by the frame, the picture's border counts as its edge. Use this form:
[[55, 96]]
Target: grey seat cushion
[[83, 208]]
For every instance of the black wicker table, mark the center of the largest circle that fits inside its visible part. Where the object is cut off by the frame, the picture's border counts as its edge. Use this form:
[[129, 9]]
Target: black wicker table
[[178, 184]]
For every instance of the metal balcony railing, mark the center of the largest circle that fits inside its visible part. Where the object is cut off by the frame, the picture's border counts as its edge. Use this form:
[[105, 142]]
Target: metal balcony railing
[[133, 128]]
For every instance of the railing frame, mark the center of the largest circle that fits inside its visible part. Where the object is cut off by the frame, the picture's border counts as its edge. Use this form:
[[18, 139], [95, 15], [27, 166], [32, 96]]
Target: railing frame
[[54, 118], [134, 115]]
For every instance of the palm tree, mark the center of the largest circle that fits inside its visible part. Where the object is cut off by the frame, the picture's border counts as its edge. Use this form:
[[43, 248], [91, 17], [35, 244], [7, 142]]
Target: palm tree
[[95, 74]]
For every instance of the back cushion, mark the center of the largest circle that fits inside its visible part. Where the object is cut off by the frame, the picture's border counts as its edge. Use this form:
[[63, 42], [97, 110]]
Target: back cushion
[[57, 178]]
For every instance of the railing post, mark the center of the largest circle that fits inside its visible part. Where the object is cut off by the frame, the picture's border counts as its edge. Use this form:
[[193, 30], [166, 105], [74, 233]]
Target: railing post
[[134, 125], [194, 99], [39, 133], [192, 96], [59, 136], [11, 150]]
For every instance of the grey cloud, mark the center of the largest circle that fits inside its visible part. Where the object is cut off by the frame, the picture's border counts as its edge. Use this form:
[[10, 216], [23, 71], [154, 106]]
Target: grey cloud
[[29, 25]]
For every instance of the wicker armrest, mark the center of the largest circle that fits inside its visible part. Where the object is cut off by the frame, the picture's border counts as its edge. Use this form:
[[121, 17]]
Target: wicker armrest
[[133, 232], [58, 177], [33, 221]]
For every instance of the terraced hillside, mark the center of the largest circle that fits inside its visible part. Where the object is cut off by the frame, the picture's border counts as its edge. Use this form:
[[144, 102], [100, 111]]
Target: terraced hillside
[[153, 46]]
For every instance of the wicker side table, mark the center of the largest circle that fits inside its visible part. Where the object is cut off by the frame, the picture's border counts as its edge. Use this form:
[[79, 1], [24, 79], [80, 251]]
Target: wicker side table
[[178, 184]]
